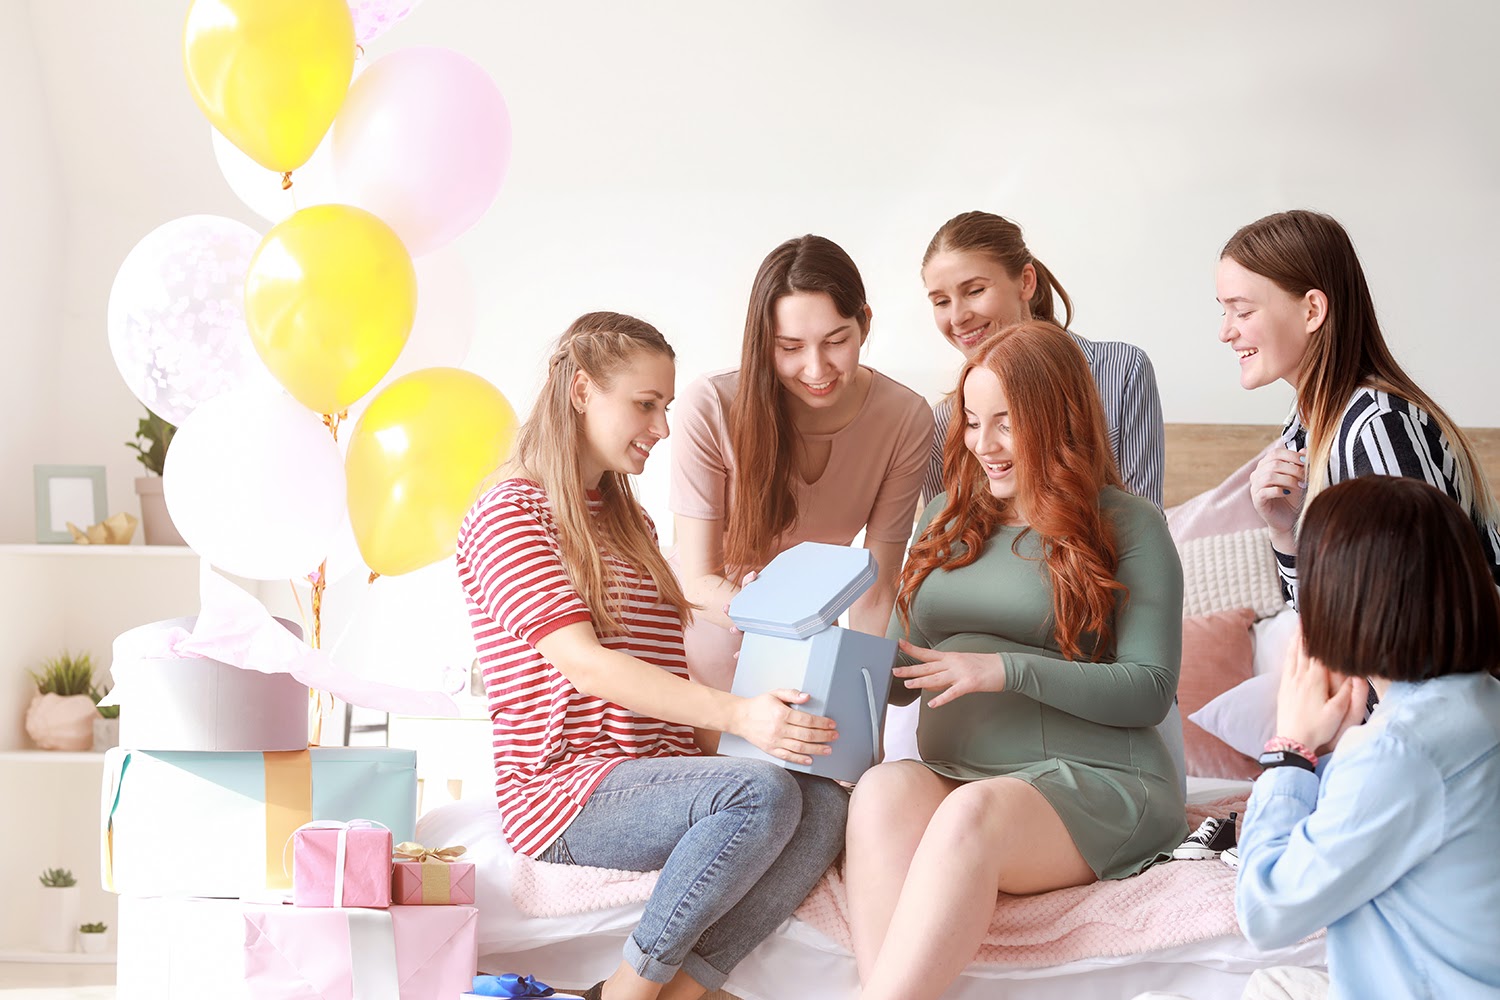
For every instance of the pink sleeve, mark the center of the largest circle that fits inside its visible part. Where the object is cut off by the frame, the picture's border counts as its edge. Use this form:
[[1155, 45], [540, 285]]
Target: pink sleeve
[[700, 465], [511, 570], [896, 501]]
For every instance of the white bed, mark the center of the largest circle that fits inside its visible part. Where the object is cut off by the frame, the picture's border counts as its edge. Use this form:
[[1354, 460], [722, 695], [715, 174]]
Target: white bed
[[582, 948]]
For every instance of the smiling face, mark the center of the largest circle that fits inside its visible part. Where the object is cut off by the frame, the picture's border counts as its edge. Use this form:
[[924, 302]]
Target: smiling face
[[972, 296], [816, 350], [621, 424], [1268, 327], [987, 431]]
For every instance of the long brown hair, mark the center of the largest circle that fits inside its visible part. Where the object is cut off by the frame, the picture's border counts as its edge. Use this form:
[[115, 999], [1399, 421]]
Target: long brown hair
[[1063, 462], [601, 345], [1000, 240], [761, 505], [1300, 251]]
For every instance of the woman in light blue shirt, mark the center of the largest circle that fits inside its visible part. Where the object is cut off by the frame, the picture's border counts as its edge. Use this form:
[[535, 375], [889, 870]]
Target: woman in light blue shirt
[[1391, 845]]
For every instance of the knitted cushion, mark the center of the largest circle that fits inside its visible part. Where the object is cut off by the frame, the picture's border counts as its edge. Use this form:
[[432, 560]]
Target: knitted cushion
[[1223, 572]]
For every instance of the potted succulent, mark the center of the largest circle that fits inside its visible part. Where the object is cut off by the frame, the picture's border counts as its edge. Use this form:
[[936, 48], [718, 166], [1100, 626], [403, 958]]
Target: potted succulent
[[153, 436], [61, 715], [91, 939], [57, 918], [106, 722]]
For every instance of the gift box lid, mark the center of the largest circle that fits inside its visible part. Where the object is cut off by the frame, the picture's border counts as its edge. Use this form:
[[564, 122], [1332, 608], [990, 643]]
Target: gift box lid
[[803, 590]]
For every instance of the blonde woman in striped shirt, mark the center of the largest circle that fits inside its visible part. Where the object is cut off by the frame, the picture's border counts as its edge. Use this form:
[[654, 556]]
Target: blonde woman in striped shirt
[[980, 278], [578, 621], [1297, 308]]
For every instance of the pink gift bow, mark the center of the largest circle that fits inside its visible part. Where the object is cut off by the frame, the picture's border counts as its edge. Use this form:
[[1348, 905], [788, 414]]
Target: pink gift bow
[[235, 628], [343, 846]]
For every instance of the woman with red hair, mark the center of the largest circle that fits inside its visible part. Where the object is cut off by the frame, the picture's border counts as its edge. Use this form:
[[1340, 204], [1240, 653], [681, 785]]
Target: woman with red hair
[[1040, 615]]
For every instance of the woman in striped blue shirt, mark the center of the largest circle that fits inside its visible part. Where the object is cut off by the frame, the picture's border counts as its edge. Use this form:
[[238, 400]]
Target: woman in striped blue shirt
[[980, 278], [1297, 308]]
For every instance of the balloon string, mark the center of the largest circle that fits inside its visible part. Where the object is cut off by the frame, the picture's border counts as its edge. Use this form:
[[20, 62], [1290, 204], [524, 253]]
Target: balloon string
[[286, 181], [332, 421]]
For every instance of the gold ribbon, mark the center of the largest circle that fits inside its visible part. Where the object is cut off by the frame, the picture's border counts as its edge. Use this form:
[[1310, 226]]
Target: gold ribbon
[[288, 806], [437, 877]]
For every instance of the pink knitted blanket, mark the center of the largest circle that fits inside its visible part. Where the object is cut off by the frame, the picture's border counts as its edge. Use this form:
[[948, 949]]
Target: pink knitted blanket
[[1165, 906]]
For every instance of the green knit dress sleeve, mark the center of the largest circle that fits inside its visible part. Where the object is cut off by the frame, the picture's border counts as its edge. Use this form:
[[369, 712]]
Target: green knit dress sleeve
[[1136, 686]]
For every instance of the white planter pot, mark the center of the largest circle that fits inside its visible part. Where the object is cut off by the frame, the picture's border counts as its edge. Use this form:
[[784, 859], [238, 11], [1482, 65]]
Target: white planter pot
[[57, 918], [106, 732], [58, 722], [155, 520], [93, 944]]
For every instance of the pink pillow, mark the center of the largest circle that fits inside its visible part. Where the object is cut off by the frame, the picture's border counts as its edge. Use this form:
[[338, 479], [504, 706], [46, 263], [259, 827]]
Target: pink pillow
[[1216, 656], [1222, 510]]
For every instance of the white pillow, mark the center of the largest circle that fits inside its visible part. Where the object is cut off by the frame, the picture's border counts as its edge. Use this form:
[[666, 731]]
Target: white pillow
[[1224, 572], [1245, 715], [1271, 637]]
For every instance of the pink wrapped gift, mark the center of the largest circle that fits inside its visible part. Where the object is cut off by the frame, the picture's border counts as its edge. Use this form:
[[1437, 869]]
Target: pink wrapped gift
[[411, 952], [342, 864], [433, 878]]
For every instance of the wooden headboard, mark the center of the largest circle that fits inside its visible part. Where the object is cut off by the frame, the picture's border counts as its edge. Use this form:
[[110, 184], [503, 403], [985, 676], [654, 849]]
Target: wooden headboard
[[1201, 456]]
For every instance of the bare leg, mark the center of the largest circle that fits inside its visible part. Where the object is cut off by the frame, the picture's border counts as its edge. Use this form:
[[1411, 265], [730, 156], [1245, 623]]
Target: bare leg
[[626, 985], [987, 837], [682, 987], [891, 808]]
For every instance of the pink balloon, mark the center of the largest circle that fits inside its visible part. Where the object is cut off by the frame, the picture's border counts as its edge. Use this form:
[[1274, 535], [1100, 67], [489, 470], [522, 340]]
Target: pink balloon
[[422, 141]]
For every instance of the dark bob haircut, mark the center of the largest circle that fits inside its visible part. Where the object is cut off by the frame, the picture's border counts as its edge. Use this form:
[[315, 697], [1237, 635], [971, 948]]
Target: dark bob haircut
[[1394, 583]]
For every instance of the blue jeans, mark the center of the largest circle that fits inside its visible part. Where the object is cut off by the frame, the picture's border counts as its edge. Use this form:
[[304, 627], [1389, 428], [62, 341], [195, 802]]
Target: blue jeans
[[739, 843]]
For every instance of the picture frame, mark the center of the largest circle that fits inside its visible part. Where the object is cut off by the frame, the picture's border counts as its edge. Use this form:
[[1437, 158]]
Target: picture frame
[[68, 493]]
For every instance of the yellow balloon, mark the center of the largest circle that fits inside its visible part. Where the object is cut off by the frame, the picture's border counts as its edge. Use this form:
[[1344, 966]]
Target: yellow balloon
[[329, 301], [416, 460], [270, 74]]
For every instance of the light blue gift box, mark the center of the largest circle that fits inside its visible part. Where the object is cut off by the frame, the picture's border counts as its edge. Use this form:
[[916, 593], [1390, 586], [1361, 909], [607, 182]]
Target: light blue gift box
[[787, 615], [180, 823]]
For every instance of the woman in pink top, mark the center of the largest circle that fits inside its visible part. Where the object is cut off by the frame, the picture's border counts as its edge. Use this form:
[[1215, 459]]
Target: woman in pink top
[[800, 443], [578, 622]]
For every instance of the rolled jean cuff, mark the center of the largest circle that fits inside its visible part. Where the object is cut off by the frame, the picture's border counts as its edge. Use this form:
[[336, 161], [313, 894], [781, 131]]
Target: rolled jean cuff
[[658, 971]]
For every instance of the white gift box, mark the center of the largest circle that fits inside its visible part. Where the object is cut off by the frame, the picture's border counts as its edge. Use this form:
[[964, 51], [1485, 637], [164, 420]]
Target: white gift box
[[846, 674], [201, 704], [218, 824]]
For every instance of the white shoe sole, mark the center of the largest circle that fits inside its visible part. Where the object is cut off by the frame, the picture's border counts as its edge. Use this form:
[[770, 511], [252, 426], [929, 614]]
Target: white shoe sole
[[1194, 854]]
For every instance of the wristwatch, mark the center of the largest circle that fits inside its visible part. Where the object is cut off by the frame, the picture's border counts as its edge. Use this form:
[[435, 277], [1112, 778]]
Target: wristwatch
[[1285, 758]]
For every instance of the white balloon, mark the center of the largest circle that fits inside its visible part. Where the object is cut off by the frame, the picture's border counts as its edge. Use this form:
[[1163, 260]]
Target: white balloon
[[443, 330], [373, 18], [313, 183], [255, 484], [176, 316]]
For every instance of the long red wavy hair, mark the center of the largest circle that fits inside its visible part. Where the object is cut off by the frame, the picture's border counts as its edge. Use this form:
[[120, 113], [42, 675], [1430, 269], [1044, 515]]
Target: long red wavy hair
[[1063, 463]]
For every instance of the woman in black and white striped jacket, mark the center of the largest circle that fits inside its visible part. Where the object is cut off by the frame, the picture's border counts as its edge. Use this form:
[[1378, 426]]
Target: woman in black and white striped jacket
[[1297, 308], [981, 278]]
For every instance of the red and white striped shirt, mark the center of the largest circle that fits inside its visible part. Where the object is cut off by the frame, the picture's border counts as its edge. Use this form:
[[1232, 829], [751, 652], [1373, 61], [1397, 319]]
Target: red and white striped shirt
[[553, 744]]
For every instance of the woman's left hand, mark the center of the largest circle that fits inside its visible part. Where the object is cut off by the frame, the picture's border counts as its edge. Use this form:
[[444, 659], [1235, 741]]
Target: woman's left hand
[[1314, 705], [959, 672]]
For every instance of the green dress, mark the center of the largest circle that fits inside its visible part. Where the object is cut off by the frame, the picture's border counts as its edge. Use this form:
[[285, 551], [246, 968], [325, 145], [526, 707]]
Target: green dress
[[1082, 733]]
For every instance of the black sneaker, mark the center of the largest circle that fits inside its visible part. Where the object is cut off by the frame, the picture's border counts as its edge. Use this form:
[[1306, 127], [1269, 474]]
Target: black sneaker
[[1212, 837]]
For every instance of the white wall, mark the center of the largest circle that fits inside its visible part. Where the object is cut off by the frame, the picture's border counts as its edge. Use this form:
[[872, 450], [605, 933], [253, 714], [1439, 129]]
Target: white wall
[[661, 149], [31, 269]]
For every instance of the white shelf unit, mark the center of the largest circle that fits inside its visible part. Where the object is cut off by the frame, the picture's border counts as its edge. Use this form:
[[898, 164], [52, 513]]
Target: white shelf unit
[[75, 598], [57, 957]]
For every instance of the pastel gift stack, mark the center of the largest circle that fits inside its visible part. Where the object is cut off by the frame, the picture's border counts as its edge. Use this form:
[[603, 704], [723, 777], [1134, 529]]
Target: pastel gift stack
[[216, 815], [787, 614]]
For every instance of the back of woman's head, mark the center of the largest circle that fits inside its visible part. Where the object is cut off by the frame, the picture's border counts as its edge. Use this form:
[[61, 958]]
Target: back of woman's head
[[1063, 462], [761, 504], [1394, 582], [549, 448], [1000, 240]]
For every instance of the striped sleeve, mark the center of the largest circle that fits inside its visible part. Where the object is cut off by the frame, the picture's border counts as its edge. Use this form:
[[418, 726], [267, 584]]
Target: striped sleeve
[[1140, 444], [932, 481], [518, 578]]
